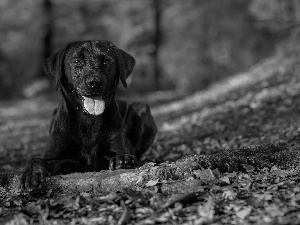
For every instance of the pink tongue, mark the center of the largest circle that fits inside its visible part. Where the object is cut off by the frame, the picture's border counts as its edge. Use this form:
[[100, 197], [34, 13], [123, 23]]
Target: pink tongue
[[94, 106]]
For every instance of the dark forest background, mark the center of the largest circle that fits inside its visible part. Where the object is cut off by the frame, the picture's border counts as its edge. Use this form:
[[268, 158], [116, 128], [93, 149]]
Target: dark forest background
[[182, 46]]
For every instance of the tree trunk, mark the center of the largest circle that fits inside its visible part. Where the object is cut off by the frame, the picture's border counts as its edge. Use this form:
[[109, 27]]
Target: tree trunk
[[47, 45], [38, 82], [157, 43]]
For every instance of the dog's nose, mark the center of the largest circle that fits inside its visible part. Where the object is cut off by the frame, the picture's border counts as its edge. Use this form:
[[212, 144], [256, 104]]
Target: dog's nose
[[94, 83]]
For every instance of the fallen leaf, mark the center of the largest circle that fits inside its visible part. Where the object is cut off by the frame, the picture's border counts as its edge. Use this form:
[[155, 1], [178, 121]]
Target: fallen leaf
[[151, 183], [225, 179], [205, 175], [185, 199], [243, 194], [280, 173], [208, 209], [247, 187], [125, 216], [228, 194], [32, 208], [242, 214], [265, 196], [248, 168], [274, 210], [164, 217], [107, 198]]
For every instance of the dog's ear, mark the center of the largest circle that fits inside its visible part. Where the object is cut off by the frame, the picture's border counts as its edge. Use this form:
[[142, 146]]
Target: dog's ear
[[54, 66], [125, 64]]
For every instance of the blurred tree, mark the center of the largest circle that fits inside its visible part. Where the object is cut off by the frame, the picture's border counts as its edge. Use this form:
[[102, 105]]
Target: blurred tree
[[186, 45], [20, 43], [4, 80], [38, 82], [275, 15], [47, 47], [157, 42], [209, 40], [279, 17]]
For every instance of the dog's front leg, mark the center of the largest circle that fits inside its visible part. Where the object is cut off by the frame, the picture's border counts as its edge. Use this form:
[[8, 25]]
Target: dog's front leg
[[34, 175], [60, 157], [38, 169], [124, 155]]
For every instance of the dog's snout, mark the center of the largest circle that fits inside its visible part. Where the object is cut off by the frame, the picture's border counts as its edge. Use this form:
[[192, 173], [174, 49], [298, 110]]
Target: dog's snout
[[93, 83]]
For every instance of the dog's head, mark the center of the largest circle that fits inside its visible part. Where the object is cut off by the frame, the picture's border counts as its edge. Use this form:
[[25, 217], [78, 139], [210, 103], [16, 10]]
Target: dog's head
[[91, 70]]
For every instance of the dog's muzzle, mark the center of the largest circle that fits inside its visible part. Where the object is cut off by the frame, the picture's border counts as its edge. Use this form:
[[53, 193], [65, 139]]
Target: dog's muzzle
[[93, 101]]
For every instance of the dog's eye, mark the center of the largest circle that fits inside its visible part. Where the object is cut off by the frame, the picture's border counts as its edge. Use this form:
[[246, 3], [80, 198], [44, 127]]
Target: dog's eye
[[105, 62], [77, 61]]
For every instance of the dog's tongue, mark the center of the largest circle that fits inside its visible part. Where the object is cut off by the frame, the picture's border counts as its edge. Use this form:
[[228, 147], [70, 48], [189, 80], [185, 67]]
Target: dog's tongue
[[94, 105]]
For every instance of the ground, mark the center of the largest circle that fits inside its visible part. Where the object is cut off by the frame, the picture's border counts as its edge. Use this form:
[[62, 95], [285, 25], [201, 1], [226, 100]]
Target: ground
[[257, 107]]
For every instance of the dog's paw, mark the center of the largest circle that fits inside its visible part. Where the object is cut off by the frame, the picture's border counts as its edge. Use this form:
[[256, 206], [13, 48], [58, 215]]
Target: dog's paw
[[124, 161], [34, 175]]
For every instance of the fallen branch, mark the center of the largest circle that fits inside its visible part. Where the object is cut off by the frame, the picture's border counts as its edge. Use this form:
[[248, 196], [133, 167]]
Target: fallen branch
[[108, 181]]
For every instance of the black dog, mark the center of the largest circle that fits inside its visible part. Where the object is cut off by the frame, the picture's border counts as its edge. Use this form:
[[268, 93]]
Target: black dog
[[90, 130]]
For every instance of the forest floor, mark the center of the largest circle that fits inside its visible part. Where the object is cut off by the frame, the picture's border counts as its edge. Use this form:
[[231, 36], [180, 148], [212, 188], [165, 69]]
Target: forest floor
[[257, 107]]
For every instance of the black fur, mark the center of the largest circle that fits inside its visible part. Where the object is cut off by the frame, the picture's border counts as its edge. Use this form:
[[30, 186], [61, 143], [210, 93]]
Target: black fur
[[80, 141]]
